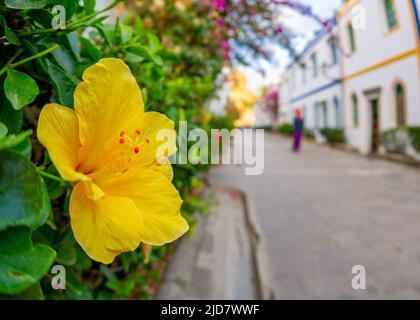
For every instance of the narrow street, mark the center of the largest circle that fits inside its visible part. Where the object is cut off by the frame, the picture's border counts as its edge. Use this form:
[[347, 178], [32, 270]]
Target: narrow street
[[324, 211]]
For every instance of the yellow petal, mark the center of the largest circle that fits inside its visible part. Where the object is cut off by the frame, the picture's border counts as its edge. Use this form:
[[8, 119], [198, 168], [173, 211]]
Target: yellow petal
[[106, 227], [58, 131], [156, 199], [165, 169], [160, 132], [108, 100]]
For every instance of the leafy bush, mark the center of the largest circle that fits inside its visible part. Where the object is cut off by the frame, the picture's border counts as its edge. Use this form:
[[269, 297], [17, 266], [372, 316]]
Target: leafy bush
[[334, 136], [41, 65], [286, 129], [414, 133], [396, 140], [308, 134]]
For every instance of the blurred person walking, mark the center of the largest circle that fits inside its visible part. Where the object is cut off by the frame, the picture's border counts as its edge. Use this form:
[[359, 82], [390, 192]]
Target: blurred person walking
[[298, 130]]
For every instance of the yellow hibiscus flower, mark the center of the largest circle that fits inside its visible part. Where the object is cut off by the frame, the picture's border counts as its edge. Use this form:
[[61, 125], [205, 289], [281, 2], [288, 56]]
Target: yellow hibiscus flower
[[107, 147]]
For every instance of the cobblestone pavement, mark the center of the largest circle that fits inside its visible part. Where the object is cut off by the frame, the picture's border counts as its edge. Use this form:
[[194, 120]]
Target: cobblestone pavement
[[324, 211]]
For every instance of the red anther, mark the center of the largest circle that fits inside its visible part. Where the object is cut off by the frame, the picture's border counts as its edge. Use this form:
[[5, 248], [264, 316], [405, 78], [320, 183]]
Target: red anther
[[138, 132], [147, 141], [122, 141], [122, 134], [136, 150]]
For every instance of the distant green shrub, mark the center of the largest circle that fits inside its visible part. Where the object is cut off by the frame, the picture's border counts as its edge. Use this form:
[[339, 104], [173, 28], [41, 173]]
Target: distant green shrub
[[309, 134], [394, 140], [286, 129], [414, 133], [334, 136]]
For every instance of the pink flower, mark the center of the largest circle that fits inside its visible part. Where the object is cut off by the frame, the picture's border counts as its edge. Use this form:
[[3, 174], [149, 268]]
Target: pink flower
[[220, 4]]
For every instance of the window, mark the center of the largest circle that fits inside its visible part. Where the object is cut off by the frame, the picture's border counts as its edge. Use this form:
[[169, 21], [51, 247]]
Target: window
[[391, 16], [400, 105], [317, 116], [314, 61], [355, 110], [352, 39], [325, 114], [303, 67], [333, 51], [337, 113]]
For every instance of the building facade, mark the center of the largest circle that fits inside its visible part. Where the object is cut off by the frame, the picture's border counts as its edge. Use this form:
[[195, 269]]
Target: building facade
[[380, 68], [373, 83], [312, 83]]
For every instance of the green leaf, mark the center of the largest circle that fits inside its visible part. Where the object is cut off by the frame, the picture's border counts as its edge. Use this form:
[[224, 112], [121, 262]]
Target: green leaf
[[83, 262], [42, 16], [66, 254], [21, 263], [21, 191], [24, 148], [55, 189], [154, 43], [74, 43], [25, 4], [126, 33], [12, 141], [64, 83], [89, 50], [65, 60], [140, 51], [20, 89], [12, 118], [169, 56], [46, 210], [69, 5], [107, 32], [10, 35], [3, 130], [89, 6], [34, 292]]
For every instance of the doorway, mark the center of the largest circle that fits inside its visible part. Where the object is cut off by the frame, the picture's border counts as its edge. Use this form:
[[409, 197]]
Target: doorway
[[374, 120], [374, 106]]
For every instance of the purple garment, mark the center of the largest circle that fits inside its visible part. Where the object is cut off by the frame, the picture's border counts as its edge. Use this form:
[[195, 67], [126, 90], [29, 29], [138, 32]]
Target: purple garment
[[297, 139]]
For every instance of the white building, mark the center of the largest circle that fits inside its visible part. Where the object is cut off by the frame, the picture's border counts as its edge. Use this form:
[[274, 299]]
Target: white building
[[380, 68], [312, 83], [374, 82]]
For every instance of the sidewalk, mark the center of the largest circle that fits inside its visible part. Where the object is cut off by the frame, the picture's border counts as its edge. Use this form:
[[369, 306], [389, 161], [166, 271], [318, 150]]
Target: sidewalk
[[224, 260]]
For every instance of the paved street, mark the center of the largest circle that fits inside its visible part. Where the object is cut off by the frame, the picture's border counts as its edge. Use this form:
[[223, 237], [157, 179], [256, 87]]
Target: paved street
[[324, 211]]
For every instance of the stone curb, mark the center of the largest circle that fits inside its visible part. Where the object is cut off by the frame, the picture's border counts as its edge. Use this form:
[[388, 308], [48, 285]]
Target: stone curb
[[262, 264]]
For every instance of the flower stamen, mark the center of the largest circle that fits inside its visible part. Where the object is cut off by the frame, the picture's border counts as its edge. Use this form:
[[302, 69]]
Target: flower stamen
[[133, 141]]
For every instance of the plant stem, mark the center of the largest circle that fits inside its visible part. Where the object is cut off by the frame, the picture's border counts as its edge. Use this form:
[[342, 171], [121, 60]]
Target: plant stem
[[50, 176], [92, 15], [71, 26], [3, 70], [36, 56]]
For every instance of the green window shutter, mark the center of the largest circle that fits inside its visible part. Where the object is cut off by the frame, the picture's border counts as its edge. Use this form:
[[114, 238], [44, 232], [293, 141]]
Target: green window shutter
[[390, 14]]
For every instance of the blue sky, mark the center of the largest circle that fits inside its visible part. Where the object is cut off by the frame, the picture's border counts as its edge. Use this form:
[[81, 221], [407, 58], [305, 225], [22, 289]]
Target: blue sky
[[304, 28]]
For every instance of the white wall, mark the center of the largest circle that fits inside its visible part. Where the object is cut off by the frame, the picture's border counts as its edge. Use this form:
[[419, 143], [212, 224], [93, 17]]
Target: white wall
[[381, 60], [306, 95]]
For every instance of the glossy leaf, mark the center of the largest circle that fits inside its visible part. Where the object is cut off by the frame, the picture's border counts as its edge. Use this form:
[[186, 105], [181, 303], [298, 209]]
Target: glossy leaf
[[64, 83], [25, 4], [20, 89], [3, 130], [9, 34], [21, 263], [21, 191]]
